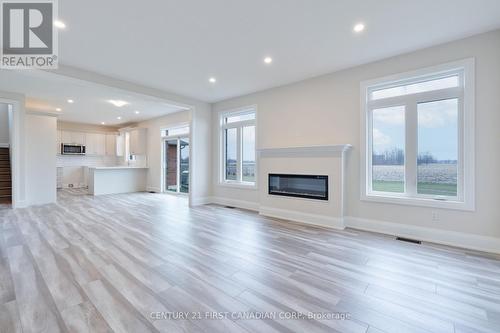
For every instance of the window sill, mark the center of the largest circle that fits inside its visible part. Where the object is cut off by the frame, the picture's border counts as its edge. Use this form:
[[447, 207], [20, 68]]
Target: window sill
[[420, 202], [239, 185]]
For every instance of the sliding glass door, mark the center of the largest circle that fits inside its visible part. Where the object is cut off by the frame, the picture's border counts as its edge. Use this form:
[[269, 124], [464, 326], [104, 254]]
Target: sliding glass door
[[176, 165], [184, 165]]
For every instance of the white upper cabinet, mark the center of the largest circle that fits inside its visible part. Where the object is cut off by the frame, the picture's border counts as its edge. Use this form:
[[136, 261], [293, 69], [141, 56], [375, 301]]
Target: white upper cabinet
[[111, 145], [138, 141], [73, 137], [96, 144]]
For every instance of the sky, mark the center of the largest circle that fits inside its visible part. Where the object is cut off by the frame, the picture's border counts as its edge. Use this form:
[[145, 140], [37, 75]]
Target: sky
[[437, 129], [248, 137]]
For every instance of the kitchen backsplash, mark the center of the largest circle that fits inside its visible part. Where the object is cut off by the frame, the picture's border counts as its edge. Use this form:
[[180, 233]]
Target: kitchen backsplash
[[89, 161]]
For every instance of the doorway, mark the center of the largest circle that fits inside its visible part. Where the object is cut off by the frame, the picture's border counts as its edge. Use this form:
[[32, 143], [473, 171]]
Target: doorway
[[6, 183], [176, 152]]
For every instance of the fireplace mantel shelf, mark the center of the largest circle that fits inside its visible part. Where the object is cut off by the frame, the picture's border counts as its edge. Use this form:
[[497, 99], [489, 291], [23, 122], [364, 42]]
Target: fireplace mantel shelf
[[306, 150]]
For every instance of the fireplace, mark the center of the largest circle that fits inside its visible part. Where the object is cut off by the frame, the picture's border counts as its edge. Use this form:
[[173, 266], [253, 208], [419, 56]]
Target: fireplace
[[299, 186]]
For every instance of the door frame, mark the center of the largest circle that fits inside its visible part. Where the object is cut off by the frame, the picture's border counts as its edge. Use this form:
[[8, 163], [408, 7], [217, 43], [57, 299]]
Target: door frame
[[164, 164], [16, 110]]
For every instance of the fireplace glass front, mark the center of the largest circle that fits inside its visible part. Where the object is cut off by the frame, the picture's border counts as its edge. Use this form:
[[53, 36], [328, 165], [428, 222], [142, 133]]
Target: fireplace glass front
[[301, 186]]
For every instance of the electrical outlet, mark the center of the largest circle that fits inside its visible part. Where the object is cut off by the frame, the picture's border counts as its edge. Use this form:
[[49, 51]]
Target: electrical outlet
[[435, 216]]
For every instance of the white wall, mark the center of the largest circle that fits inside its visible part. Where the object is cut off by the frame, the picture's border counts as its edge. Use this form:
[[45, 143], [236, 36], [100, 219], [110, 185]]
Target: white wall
[[4, 124], [201, 155], [326, 110], [41, 134], [80, 127]]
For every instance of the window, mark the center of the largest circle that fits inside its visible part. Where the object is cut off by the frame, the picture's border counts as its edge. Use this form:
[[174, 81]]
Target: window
[[238, 147], [419, 139]]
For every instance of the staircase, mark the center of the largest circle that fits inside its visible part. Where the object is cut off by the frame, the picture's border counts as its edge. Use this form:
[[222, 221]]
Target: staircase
[[5, 177]]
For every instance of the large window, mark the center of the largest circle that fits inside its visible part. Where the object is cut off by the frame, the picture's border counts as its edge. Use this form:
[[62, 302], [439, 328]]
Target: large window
[[238, 147], [419, 137]]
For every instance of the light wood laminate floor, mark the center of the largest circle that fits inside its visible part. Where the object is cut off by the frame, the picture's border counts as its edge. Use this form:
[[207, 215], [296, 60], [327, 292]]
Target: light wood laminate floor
[[128, 263]]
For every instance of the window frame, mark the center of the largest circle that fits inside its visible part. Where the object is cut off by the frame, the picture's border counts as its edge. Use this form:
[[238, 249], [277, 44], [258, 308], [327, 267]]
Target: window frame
[[238, 125], [465, 94]]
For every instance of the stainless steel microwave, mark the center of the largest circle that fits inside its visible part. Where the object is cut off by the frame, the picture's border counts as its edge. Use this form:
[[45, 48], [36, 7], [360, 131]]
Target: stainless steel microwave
[[72, 149]]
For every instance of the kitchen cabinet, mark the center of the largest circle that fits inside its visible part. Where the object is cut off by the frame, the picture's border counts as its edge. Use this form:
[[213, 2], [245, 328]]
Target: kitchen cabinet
[[137, 143], [73, 137], [96, 144], [111, 145]]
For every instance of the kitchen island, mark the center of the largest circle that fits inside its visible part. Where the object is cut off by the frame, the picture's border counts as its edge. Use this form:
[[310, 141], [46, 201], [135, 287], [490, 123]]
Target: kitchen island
[[117, 179]]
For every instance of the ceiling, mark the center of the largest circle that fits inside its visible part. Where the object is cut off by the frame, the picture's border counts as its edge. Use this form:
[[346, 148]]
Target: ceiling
[[176, 46], [45, 92]]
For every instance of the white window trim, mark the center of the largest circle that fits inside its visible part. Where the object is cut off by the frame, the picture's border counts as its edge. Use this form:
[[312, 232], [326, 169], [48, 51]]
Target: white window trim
[[222, 152], [466, 176]]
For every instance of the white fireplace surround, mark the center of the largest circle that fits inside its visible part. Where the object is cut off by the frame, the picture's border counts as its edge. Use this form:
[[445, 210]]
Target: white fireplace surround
[[311, 160]]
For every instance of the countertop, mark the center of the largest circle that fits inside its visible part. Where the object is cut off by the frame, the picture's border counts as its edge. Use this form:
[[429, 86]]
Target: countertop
[[117, 167]]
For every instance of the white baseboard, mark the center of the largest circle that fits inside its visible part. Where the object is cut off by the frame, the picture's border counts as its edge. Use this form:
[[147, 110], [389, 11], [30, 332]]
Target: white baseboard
[[235, 203], [75, 186], [153, 189], [440, 236], [200, 201], [306, 218], [432, 235], [19, 204]]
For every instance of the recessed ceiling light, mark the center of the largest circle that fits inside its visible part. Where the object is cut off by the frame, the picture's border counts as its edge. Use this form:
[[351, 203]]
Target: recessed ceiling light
[[70, 101], [212, 80], [137, 112], [59, 24], [359, 27], [103, 123], [118, 103], [119, 118], [268, 60], [58, 109]]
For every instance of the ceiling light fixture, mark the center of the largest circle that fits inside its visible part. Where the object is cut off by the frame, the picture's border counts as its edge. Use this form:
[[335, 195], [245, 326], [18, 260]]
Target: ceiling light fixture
[[103, 123], [212, 80], [118, 103], [70, 101], [268, 60], [119, 118], [359, 27], [59, 24], [58, 109], [137, 112]]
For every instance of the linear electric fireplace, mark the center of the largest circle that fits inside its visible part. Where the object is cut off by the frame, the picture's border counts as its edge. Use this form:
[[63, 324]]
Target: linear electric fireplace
[[299, 186]]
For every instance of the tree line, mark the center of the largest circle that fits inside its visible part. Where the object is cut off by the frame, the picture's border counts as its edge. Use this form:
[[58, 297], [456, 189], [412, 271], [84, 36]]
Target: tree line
[[396, 156]]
